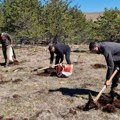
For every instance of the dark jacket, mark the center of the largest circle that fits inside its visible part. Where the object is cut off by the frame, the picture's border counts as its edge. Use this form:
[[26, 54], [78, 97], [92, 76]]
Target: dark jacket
[[111, 51], [60, 50]]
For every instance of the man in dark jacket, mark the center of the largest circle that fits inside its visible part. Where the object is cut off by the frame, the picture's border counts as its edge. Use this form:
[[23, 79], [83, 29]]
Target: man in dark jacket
[[111, 52], [5, 40], [60, 50]]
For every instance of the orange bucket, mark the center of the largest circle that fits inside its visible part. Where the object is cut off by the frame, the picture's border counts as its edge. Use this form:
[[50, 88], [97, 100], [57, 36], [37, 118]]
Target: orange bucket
[[67, 68], [64, 68]]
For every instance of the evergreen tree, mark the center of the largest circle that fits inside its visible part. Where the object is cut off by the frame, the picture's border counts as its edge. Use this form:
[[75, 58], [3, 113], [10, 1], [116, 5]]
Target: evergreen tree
[[108, 25]]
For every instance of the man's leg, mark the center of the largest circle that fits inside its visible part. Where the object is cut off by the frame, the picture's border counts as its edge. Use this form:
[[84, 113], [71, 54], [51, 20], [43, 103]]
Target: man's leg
[[4, 54], [114, 85], [67, 56], [115, 79]]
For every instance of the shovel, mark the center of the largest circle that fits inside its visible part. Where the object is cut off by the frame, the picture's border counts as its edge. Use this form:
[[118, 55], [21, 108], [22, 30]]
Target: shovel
[[92, 103]]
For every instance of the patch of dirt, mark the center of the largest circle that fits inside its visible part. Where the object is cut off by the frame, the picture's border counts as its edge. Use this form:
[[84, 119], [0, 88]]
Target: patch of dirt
[[97, 66], [17, 80], [104, 103]]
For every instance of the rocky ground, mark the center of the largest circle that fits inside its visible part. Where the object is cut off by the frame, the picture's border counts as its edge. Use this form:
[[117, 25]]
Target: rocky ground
[[24, 95]]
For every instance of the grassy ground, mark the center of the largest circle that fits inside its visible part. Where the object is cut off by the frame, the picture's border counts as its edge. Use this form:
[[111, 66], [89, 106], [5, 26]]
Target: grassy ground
[[27, 96]]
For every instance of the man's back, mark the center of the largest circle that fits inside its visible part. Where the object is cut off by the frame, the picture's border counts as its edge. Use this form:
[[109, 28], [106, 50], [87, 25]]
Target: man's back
[[112, 47], [61, 48]]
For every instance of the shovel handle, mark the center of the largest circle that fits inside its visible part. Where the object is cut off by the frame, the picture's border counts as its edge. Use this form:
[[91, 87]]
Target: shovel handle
[[104, 87], [100, 93]]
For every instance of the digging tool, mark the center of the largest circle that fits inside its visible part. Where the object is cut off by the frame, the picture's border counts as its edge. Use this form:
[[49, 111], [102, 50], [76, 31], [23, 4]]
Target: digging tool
[[104, 87], [92, 103], [40, 69]]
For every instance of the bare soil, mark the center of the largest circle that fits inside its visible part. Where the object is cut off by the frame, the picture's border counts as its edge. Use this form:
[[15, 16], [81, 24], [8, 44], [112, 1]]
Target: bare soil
[[24, 95]]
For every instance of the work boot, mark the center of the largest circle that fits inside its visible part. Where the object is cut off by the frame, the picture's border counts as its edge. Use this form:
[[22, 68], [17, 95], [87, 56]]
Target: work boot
[[113, 94]]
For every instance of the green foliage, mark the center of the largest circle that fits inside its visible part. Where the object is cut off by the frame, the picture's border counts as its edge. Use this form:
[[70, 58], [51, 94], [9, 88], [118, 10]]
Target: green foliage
[[54, 21], [63, 21], [21, 17], [29, 19], [108, 26], [77, 25]]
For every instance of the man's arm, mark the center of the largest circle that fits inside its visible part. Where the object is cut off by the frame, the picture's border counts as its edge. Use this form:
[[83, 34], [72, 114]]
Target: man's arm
[[110, 63], [51, 57]]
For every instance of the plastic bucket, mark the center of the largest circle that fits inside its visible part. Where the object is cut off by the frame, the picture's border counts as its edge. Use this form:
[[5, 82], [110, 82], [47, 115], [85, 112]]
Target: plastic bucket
[[10, 54], [65, 70]]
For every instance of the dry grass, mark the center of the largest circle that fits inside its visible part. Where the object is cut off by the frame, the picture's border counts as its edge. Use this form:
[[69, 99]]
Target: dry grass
[[27, 96]]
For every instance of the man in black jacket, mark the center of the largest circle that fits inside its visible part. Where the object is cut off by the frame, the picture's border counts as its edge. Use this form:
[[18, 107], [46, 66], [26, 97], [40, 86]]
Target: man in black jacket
[[111, 52], [60, 50]]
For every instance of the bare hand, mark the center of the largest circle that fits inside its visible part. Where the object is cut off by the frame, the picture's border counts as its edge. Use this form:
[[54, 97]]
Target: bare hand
[[107, 83], [61, 64]]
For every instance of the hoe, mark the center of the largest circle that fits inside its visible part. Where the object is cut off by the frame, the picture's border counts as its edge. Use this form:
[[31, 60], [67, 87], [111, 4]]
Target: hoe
[[93, 102]]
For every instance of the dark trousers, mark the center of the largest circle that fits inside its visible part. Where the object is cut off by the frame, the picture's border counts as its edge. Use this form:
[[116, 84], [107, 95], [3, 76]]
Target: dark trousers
[[4, 49], [115, 81], [67, 57]]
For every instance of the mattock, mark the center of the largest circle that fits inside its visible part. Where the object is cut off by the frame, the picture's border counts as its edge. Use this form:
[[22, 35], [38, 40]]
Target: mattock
[[95, 100]]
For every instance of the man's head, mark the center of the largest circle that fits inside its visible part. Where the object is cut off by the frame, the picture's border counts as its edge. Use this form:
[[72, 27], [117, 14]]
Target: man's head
[[94, 47], [51, 48]]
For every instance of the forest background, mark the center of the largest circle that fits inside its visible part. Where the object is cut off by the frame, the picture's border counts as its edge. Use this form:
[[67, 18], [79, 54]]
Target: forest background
[[32, 22]]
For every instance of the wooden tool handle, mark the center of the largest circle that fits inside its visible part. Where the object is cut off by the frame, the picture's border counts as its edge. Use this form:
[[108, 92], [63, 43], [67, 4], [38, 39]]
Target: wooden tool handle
[[48, 67], [104, 87], [100, 93]]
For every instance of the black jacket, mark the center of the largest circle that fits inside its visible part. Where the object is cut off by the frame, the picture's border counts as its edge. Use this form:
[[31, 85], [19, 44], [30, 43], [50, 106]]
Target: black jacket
[[60, 50], [111, 51]]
